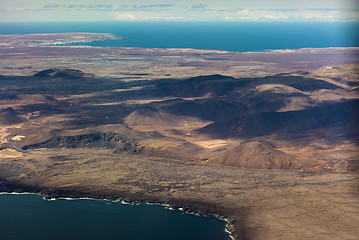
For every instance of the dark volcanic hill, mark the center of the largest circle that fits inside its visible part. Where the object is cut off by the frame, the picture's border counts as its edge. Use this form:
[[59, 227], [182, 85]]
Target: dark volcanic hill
[[63, 73], [216, 85], [10, 116], [257, 107], [285, 106], [288, 123]]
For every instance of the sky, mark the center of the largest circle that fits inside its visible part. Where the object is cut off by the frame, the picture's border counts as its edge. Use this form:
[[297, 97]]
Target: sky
[[175, 10]]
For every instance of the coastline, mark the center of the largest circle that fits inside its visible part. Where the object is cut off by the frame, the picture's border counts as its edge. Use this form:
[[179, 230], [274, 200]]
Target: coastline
[[229, 228], [236, 216]]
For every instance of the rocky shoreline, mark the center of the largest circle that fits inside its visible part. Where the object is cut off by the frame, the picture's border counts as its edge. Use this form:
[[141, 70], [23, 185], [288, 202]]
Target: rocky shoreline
[[290, 197], [184, 207]]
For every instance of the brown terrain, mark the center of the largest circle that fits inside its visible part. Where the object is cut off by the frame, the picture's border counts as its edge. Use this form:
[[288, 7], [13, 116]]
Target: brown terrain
[[267, 140]]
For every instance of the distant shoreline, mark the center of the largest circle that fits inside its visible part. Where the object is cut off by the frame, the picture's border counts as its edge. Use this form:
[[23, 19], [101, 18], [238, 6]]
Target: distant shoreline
[[223, 36], [84, 40]]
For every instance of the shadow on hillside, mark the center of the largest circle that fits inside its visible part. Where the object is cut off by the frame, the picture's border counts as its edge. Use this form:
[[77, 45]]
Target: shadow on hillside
[[238, 108]]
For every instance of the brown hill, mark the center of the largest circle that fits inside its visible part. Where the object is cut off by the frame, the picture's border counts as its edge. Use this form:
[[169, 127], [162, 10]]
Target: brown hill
[[259, 155], [215, 85], [287, 123], [219, 85], [9, 116], [63, 73], [283, 103]]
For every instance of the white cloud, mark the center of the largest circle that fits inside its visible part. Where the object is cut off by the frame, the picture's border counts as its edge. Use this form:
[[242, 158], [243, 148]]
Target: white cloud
[[298, 14], [275, 17], [91, 10], [164, 18], [243, 12], [125, 16], [144, 16]]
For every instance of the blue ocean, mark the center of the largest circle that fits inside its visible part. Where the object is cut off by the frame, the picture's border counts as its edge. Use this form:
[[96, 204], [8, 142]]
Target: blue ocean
[[228, 36], [29, 217]]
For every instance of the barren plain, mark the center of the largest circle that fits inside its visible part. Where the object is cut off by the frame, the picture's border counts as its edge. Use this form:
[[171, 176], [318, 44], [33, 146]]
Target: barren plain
[[267, 140]]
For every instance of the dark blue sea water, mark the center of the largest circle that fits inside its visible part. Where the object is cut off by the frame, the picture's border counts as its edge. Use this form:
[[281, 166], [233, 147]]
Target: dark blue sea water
[[29, 217], [230, 36]]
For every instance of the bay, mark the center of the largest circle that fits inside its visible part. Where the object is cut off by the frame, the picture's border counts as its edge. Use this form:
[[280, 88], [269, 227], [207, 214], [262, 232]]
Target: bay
[[29, 217]]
